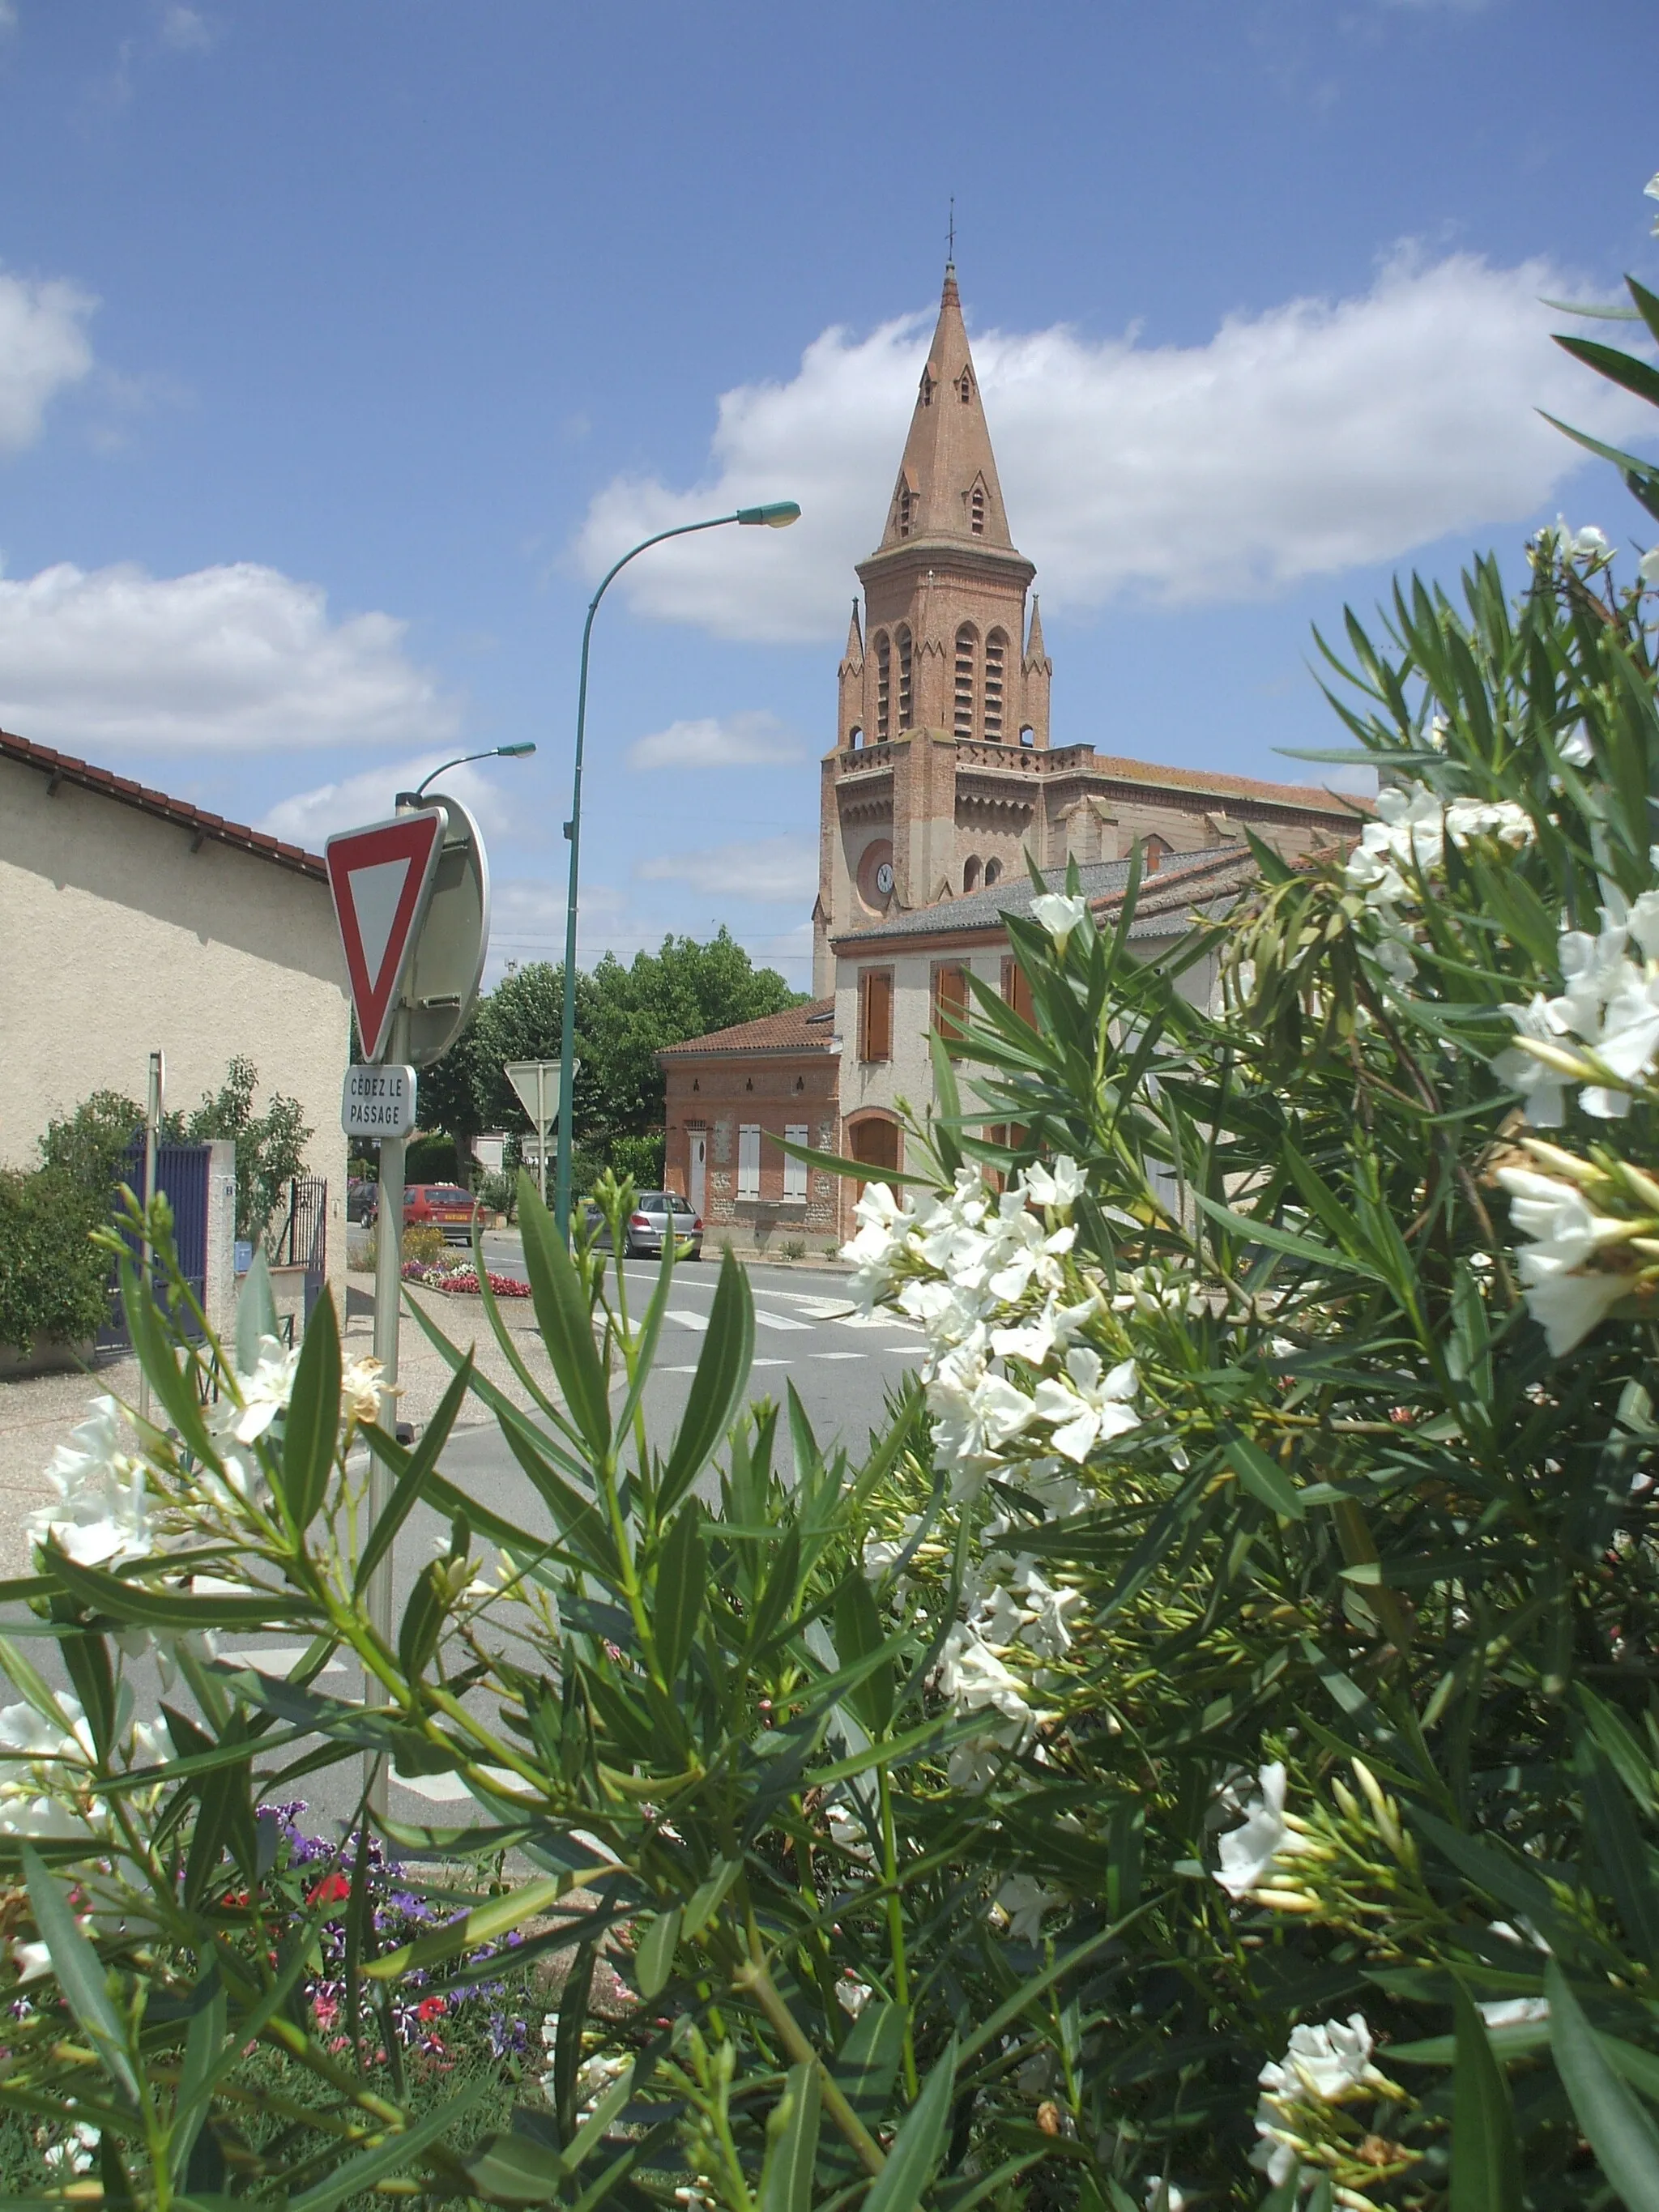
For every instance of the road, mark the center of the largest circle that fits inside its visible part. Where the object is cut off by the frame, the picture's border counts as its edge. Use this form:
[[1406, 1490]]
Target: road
[[806, 1333]]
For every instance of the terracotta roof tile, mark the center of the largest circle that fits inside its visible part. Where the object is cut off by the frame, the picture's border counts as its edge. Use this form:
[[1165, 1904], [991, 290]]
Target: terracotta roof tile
[[808, 1028], [63, 767], [1341, 804]]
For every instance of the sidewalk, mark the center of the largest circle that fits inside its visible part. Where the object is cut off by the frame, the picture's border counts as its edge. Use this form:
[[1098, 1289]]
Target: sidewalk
[[38, 1412]]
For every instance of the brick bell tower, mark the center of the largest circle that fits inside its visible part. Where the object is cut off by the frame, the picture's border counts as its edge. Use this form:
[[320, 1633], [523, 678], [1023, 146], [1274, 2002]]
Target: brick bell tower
[[941, 678]]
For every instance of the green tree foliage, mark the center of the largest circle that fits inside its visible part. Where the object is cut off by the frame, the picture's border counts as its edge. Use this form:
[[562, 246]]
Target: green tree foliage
[[626, 1013], [53, 1279]]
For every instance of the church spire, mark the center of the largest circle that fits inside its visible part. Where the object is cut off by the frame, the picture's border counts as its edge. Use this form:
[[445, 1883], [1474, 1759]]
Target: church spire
[[947, 485], [1034, 652], [854, 656]]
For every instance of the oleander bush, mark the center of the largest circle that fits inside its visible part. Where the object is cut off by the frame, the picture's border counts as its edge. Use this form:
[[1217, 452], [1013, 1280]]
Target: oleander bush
[[1205, 1751], [53, 1282]]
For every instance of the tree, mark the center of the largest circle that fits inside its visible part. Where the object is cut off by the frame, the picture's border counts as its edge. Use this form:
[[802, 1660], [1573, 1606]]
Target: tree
[[626, 1013]]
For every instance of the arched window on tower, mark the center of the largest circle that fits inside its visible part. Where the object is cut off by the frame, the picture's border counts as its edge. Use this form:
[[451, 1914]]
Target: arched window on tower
[[976, 510], [970, 874], [905, 692], [967, 654], [927, 386], [855, 737], [1028, 735], [965, 387], [907, 506], [996, 655], [993, 873], [883, 686]]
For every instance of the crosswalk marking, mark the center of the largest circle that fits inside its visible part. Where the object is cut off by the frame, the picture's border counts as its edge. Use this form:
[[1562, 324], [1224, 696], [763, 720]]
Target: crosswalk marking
[[843, 1355], [687, 1319], [779, 1320], [281, 1659]]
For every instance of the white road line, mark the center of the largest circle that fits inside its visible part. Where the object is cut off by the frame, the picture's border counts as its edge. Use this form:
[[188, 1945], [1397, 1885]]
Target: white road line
[[844, 1355], [768, 1362], [444, 1788], [877, 1321], [686, 1319], [779, 1320], [904, 1351]]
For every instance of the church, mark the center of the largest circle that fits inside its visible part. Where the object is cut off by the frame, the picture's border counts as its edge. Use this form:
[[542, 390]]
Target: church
[[942, 777]]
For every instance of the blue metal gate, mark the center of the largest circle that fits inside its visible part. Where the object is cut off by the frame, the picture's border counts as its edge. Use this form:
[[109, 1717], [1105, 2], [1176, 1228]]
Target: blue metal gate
[[181, 1170]]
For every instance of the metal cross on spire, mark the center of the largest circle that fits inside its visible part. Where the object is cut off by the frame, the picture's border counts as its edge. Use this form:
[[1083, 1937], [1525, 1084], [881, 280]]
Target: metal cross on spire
[[951, 233]]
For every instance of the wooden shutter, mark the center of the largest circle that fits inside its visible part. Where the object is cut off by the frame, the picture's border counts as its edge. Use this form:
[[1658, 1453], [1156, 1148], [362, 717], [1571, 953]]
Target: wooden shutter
[[950, 999], [1016, 990], [876, 1039]]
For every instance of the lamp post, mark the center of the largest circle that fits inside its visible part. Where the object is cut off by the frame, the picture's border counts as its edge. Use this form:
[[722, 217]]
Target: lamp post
[[778, 515], [493, 752]]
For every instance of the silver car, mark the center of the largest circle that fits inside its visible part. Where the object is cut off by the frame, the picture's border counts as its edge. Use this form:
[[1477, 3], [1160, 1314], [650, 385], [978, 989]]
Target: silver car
[[647, 1224]]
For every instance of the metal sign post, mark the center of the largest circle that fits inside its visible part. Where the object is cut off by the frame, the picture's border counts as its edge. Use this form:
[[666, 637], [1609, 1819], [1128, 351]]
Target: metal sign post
[[154, 1105], [537, 1082]]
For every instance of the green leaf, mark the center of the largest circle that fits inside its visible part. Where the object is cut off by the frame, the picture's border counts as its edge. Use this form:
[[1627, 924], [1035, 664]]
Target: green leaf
[[1251, 1232], [256, 1312], [653, 1961], [705, 1900], [682, 1569], [864, 2070], [311, 1425], [1619, 1846], [916, 2148], [1620, 2133], [1637, 376], [125, 1600], [203, 2047], [717, 1386], [412, 1480], [1264, 1478], [858, 1635], [566, 1323], [1486, 2157], [792, 2144], [395, 2155], [172, 1385], [80, 1973]]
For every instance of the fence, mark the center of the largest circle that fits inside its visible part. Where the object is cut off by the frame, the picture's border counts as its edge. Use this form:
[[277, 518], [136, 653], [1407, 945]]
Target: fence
[[298, 1234]]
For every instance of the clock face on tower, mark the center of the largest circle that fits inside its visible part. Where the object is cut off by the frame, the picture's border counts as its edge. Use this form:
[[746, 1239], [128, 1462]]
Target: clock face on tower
[[874, 874]]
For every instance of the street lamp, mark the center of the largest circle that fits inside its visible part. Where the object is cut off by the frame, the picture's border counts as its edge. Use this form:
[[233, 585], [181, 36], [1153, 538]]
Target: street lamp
[[493, 752], [777, 514]]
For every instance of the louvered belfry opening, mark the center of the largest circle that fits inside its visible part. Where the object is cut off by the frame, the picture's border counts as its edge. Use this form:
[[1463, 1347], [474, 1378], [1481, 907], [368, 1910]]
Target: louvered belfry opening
[[966, 643], [996, 653]]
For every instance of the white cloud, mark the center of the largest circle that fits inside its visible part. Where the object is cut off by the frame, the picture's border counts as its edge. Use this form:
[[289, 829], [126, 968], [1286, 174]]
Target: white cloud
[[763, 868], [310, 817], [238, 659], [187, 30], [1315, 437], [730, 741], [43, 347]]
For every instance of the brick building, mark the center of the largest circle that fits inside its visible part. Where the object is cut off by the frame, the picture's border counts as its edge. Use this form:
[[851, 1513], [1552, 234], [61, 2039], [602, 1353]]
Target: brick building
[[732, 1095], [942, 782]]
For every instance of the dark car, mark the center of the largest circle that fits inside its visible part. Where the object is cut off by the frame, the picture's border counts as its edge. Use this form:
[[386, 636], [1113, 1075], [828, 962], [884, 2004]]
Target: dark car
[[440, 1205], [647, 1224], [363, 1200]]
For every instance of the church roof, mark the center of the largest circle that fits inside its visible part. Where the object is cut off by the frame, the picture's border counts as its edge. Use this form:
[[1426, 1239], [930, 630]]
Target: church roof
[[947, 486], [1166, 897], [807, 1028]]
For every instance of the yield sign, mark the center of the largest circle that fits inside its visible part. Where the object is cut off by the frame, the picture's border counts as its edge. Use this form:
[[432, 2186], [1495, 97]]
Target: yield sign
[[381, 879]]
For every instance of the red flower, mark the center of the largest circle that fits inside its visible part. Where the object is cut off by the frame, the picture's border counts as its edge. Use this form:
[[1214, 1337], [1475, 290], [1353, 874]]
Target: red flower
[[429, 2008], [332, 1889]]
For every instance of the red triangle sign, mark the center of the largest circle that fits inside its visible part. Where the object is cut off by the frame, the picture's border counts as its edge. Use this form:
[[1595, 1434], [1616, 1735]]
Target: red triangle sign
[[381, 879]]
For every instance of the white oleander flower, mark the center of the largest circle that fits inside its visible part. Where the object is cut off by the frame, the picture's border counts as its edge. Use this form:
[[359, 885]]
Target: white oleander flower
[[1059, 914], [975, 1680], [1542, 1089], [972, 1425], [1059, 1184], [1025, 1900], [102, 1513], [851, 1995], [1564, 1298], [1575, 748], [880, 1553], [1326, 2064], [78, 2150], [29, 1735], [1087, 1405], [884, 1223], [1249, 1853], [31, 1960], [264, 1393], [1162, 2195], [360, 1389], [1648, 566], [1056, 1328]]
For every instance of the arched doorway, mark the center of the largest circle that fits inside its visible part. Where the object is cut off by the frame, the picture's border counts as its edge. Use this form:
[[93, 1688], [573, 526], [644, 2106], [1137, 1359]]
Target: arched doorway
[[875, 1144]]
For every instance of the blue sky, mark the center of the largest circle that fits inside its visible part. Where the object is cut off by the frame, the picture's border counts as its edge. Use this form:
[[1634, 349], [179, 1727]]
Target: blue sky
[[340, 346]]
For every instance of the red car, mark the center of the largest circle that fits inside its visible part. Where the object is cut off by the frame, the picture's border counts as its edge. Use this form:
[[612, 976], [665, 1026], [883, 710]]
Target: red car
[[440, 1205]]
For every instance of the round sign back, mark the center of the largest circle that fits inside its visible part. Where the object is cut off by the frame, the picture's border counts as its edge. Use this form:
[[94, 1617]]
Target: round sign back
[[441, 986]]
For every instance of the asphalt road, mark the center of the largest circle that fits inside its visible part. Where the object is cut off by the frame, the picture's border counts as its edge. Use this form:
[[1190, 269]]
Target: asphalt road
[[841, 1364]]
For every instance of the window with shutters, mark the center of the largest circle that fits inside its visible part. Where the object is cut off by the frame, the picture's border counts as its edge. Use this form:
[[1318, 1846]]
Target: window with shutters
[[749, 1159], [883, 685], [965, 388], [907, 504], [996, 654], [976, 510], [876, 1014], [950, 999], [1016, 990], [967, 644], [904, 692], [794, 1170]]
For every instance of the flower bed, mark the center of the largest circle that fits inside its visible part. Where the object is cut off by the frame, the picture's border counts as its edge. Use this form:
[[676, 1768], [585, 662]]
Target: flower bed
[[463, 1280]]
